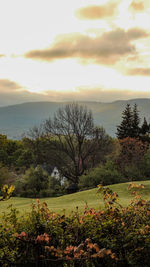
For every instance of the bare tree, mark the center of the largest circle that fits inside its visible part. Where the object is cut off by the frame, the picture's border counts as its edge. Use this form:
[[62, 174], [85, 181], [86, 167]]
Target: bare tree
[[75, 139]]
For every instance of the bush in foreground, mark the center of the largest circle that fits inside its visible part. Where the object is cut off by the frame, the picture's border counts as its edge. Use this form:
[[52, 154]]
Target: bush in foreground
[[115, 236]]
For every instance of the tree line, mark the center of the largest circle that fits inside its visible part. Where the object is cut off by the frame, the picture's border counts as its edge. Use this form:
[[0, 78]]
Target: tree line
[[130, 125], [84, 154]]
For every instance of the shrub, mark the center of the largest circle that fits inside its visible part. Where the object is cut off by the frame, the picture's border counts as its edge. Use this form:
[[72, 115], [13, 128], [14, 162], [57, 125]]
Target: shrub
[[145, 165], [4, 175], [37, 183], [35, 180], [104, 174], [114, 236]]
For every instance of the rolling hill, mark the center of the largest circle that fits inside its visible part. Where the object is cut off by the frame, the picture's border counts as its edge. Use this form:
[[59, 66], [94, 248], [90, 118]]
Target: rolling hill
[[80, 199], [17, 119]]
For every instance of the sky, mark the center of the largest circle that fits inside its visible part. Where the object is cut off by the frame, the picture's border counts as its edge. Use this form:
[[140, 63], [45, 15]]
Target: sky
[[74, 50]]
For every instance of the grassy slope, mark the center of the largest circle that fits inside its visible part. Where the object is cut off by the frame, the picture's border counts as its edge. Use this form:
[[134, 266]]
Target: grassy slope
[[70, 202]]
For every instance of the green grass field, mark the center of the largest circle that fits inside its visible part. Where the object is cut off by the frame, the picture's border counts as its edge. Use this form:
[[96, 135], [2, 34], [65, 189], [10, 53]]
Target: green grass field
[[68, 203]]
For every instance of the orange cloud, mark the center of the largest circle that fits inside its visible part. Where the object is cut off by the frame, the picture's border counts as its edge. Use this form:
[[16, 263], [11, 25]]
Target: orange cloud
[[139, 71], [8, 86], [13, 93], [137, 6], [105, 49], [97, 12], [95, 94]]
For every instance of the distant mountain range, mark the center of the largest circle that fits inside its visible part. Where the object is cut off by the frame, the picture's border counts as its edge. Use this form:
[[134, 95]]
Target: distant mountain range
[[17, 119]]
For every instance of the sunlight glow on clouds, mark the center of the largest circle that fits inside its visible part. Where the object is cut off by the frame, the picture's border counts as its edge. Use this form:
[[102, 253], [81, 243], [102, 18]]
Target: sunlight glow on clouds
[[106, 49], [83, 49], [97, 12], [137, 6]]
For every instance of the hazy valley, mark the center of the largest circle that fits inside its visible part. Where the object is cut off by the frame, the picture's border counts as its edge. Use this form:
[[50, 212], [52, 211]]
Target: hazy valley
[[15, 120]]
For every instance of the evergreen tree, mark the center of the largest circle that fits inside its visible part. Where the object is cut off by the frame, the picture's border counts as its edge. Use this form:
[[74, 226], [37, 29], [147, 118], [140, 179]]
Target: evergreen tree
[[135, 122], [130, 125], [145, 127], [125, 129]]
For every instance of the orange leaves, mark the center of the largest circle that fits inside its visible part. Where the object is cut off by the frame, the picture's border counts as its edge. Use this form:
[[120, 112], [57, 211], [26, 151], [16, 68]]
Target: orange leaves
[[21, 235], [42, 238], [145, 230], [110, 197], [70, 250], [79, 248], [92, 236], [43, 211], [137, 186], [138, 201], [96, 247], [105, 252], [85, 250], [91, 213], [88, 250], [55, 252]]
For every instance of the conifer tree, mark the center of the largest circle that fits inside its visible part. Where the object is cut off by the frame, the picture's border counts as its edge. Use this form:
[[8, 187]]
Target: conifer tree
[[145, 127], [130, 125], [125, 129], [135, 122]]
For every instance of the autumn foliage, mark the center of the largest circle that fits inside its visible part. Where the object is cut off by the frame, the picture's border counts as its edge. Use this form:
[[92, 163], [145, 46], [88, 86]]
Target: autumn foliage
[[114, 236], [132, 151]]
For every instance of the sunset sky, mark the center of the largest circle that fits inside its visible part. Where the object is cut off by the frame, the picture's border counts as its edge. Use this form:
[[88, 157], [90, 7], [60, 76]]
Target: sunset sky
[[64, 50]]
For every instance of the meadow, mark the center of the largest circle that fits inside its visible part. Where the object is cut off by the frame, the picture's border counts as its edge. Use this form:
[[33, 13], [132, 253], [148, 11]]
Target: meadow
[[67, 203]]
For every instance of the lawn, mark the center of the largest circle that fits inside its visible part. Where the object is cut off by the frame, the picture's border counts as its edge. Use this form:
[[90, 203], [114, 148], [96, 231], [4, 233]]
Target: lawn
[[68, 203]]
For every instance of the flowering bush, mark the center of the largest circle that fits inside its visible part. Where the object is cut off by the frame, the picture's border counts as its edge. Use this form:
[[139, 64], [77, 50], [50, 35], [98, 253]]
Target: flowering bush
[[114, 236]]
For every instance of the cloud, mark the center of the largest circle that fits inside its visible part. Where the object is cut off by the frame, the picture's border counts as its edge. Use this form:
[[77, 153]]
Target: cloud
[[97, 12], [13, 96], [8, 86], [13, 93], [139, 71], [137, 6], [135, 33], [105, 49], [95, 94]]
